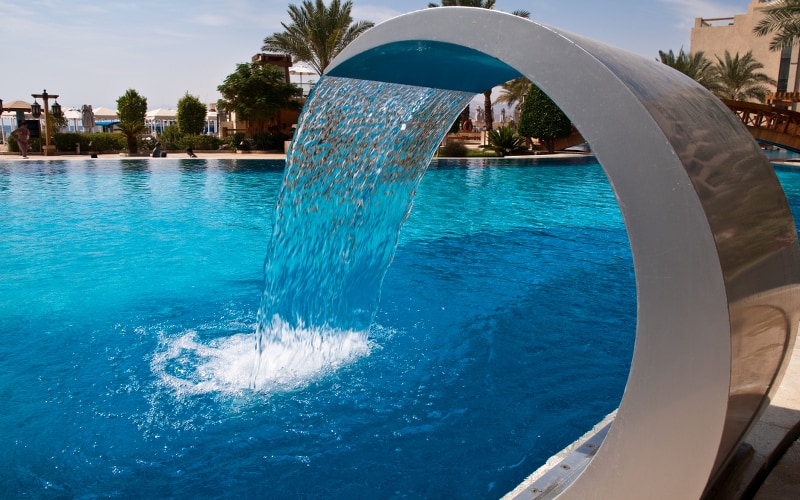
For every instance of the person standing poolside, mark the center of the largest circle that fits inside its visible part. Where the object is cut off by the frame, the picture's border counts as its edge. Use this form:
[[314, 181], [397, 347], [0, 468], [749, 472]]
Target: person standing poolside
[[22, 134]]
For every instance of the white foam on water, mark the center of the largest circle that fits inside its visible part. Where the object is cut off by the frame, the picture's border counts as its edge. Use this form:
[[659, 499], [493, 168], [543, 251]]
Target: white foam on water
[[288, 357], [232, 365]]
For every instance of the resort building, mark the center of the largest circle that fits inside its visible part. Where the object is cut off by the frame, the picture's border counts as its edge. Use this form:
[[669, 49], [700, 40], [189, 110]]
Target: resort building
[[735, 34], [284, 120]]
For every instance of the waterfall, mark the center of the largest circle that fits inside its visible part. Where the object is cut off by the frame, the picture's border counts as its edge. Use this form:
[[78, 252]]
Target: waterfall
[[359, 151]]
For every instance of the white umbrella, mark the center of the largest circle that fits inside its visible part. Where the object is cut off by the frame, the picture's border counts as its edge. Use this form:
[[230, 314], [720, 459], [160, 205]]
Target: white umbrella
[[14, 110], [300, 71], [72, 114]]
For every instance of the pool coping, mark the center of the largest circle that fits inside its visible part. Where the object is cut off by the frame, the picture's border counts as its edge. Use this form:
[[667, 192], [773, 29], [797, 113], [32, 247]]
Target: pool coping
[[766, 463]]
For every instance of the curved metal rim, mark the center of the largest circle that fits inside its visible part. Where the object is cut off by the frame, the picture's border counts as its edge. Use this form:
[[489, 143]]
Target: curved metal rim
[[667, 432]]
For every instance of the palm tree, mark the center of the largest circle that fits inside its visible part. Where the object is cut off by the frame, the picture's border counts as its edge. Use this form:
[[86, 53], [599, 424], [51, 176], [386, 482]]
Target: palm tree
[[483, 4], [696, 66], [513, 92], [740, 80], [317, 33], [505, 141], [132, 130], [131, 107], [783, 19]]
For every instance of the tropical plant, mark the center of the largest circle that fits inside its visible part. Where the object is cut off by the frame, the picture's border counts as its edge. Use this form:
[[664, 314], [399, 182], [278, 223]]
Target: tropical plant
[[132, 131], [740, 80], [696, 66], [513, 92], [191, 115], [131, 108], [781, 18], [317, 33], [56, 123], [256, 92], [543, 119], [505, 141], [483, 4]]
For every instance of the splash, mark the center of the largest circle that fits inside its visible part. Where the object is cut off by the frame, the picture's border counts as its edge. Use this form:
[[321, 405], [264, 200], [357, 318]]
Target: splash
[[188, 366], [360, 149]]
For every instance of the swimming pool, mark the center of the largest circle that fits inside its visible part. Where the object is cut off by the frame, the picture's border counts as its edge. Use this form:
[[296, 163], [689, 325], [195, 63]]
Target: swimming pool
[[128, 295]]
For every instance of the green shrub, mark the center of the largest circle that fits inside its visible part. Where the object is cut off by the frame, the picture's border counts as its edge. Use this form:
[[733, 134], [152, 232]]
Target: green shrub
[[146, 143], [65, 142], [268, 142], [199, 142], [453, 149], [105, 142], [170, 138], [34, 145], [228, 143], [239, 141]]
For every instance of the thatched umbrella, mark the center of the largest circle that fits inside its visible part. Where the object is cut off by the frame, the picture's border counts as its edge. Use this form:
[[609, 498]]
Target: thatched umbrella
[[18, 107]]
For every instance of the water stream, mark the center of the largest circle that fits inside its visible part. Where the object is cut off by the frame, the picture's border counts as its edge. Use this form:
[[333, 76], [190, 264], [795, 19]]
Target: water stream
[[360, 151]]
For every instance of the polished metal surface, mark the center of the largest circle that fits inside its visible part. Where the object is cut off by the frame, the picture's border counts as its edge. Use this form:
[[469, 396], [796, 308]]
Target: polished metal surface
[[714, 245]]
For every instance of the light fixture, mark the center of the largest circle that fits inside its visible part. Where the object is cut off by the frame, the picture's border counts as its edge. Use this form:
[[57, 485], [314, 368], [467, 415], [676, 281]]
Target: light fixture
[[56, 109], [36, 109]]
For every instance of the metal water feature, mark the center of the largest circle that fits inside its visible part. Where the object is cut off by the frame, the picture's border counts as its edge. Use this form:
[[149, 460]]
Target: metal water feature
[[714, 246]]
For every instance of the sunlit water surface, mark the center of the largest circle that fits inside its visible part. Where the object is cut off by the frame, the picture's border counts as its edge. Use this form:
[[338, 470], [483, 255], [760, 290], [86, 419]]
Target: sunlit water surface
[[128, 299]]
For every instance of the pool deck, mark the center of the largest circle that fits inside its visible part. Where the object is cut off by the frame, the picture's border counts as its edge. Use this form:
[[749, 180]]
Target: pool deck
[[221, 155], [767, 464]]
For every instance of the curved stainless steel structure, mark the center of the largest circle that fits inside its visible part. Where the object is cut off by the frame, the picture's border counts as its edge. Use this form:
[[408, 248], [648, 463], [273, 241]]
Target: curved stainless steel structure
[[714, 245]]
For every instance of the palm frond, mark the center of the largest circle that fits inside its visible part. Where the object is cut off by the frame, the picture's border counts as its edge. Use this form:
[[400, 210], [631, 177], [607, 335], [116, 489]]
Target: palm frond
[[782, 19], [317, 34]]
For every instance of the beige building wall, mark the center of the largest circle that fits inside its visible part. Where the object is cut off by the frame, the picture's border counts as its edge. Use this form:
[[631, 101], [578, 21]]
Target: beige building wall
[[735, 34]]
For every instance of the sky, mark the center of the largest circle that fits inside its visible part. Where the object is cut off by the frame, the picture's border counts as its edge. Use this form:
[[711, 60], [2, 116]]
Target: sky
[[91, 51]]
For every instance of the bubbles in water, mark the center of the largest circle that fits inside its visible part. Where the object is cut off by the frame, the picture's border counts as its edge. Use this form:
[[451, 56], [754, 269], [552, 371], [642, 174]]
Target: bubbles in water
[[291, 359], [292, 356], [188, 366]]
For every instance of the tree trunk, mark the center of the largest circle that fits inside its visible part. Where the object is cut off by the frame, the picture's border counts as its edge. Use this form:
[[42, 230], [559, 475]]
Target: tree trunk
[[487, 107]]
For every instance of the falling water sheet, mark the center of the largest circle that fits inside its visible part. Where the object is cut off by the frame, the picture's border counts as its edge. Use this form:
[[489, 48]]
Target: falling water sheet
[[360, 149]]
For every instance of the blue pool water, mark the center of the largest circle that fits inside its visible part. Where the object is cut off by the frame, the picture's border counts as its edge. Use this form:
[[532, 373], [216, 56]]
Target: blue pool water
[[128, 298]]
